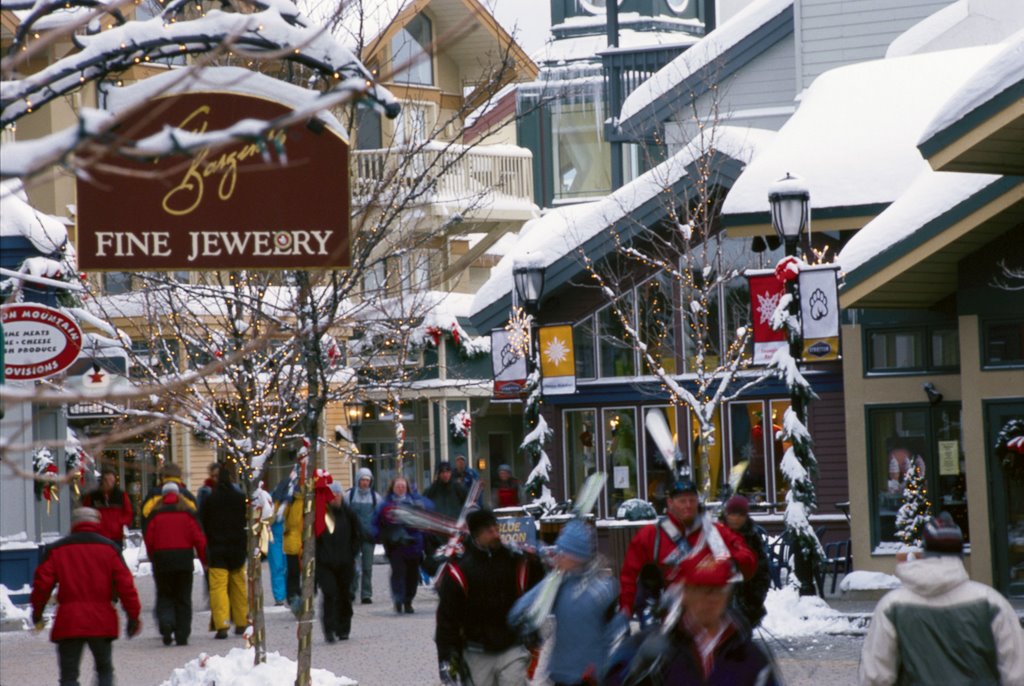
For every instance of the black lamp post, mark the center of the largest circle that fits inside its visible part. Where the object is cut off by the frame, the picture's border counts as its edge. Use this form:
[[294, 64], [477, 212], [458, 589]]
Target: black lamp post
[[790, 206], [529, 282]]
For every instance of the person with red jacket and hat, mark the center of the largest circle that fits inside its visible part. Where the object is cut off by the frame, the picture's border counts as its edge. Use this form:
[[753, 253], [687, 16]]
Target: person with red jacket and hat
[[90, 574], [113, 505], [662, 552], [173, 533], [705, 642]]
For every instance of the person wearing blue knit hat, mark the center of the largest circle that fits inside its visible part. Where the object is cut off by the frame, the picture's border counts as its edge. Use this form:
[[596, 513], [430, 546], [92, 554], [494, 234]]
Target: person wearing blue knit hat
[[584, 609]]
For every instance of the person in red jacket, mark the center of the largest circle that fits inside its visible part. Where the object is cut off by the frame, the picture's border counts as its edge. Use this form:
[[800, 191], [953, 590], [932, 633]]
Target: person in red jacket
[[91, 575], [171, 536], [682, 540], [113, 504]]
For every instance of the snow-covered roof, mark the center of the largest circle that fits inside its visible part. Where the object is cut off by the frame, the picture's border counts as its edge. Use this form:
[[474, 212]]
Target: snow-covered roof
[[854, 136], [237, 79], [961, 24], [930, 195], [19, 219], [703, 53], [586, 48], [1003, 70], [564, 230]]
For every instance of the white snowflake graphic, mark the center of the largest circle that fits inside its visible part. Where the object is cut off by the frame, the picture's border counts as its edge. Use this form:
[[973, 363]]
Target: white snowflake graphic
[[766, 304], [556, 351]]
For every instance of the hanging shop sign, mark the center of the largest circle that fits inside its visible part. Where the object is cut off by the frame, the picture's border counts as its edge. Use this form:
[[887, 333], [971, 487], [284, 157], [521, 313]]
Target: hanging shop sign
[[509, 366], [39, 341], [97, 375], [277, 202], [557, 361], [819, 311], [765, 292]]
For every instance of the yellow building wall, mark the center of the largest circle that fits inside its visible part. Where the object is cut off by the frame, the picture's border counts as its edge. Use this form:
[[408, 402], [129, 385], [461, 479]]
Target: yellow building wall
[[972, 387], [979, 386]]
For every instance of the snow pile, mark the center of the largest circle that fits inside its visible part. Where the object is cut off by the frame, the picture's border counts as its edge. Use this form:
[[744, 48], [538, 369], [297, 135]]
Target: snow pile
[[138, 561], [236, 669], [868, 581], [18, 541], [10, 611], [792, 615]]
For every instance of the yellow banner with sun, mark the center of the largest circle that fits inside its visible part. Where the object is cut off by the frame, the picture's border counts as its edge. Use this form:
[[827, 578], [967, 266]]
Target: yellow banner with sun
[[557, 362]]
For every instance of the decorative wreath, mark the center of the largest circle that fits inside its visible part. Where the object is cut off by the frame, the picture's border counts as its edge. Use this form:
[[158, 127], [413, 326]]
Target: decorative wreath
[[1010, 447], [458, 426]]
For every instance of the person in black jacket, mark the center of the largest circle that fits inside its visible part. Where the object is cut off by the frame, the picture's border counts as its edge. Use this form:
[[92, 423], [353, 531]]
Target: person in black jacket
[[749, 596], [223, 517], [476, 592], [448, 497], [336, 550]]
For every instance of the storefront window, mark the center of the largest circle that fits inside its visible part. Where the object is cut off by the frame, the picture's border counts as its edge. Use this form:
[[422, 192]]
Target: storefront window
[[924, 437], [714, 473], [890, 351], [661, 452], [583, 347], [748, 444], [620, 455], [580, 452], [702, 331], [654, 309], [778, 448], [616, 351]]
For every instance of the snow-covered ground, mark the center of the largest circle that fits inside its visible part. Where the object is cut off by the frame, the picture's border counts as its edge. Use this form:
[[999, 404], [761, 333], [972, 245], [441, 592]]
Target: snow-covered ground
[[792, 615], [236, 669], [11, 612], [138, 561]]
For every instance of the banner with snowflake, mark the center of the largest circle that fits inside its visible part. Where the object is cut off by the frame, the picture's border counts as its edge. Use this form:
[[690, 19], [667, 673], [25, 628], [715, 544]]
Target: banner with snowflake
[[819, 312], [557, 362], [765, 292], [508, 362]]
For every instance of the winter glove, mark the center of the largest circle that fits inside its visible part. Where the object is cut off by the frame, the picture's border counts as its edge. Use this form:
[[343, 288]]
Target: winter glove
[[38, 622], [450, 671], [133, 628]]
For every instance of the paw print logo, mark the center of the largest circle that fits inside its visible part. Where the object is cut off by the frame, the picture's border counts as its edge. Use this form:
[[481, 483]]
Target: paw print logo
[[819, 305]]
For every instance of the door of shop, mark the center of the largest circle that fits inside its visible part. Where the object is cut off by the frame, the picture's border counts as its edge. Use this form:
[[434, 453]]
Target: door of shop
[[136, 474], [1007, 499]]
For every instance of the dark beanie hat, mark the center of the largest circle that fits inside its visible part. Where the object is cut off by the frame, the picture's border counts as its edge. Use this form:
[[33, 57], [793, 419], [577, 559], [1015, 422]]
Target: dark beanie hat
[[942, 536], [480, 519], [682, 486], [444, 467], [737, 505]]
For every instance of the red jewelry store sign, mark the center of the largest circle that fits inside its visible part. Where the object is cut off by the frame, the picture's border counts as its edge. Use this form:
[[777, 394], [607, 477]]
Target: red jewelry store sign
[[280, 202]]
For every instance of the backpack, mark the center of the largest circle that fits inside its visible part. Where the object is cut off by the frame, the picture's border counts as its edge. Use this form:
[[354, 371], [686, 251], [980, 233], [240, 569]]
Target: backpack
[[373, 496]]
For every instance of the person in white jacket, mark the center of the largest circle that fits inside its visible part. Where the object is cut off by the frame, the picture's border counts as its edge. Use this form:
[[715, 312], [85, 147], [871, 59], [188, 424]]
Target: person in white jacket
[[940, 627]]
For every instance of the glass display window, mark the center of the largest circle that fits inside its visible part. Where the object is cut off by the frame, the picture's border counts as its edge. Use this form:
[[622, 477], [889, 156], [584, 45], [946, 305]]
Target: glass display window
[[620, 454]]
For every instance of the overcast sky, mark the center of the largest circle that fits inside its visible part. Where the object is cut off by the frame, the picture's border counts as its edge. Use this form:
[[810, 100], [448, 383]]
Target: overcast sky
[[527, 20]]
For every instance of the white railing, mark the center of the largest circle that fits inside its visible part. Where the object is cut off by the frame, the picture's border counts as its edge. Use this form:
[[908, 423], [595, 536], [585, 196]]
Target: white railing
[[444, 173]]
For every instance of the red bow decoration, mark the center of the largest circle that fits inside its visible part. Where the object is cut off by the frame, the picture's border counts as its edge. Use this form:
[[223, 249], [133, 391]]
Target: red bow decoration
[[455, 333], [435, 335], [787, 269], [323, 494]]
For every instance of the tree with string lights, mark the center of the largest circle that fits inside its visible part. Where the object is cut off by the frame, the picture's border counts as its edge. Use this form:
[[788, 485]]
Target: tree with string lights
[[915, 510]]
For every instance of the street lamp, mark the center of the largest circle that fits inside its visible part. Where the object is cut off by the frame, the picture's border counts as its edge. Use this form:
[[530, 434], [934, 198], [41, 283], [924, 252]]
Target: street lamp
[[354, 413], [529, 281], [790, 202]]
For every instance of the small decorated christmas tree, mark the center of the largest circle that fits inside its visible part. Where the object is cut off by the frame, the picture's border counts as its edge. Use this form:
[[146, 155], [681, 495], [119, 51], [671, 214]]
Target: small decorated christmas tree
[[915, 510]]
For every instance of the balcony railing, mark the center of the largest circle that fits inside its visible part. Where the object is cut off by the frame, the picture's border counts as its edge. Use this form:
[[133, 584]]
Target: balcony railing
[[436, 172]]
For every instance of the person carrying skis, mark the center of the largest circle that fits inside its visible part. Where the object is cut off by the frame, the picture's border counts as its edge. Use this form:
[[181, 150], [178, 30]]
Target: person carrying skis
[[586, 622], [662, 552]]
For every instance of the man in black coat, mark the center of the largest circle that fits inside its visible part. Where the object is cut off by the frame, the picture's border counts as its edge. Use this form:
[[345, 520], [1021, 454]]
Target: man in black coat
[[336, 548], [476, 593], [448, 496], [223, 515]]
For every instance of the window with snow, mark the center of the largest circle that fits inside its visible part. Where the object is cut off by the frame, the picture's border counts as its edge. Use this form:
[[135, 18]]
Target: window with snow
[[615, 350]]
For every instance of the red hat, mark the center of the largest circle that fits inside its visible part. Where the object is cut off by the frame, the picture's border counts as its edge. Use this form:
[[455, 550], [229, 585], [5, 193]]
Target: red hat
[[709, 572], [737, 505]]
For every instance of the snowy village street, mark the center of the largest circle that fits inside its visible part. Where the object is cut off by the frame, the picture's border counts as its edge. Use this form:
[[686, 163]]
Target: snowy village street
[[385, 649]]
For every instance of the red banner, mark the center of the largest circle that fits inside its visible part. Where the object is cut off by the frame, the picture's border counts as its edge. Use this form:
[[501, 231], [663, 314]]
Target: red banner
[[765, 292]]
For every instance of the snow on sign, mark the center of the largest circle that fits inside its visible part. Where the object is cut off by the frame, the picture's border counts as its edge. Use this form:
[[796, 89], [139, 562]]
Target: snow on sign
[[39, 341], [277, 202]]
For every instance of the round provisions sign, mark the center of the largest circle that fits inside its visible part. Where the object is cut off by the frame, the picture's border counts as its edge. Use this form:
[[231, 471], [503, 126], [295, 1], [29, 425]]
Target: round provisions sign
[[39, 341]]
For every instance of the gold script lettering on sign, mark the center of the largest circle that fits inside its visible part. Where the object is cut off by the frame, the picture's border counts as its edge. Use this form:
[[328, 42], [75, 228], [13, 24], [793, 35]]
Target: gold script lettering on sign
[[185, 197]]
